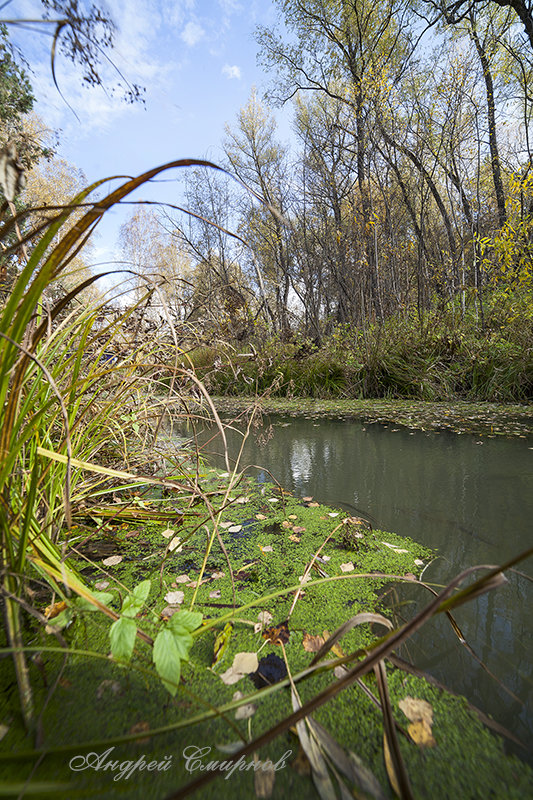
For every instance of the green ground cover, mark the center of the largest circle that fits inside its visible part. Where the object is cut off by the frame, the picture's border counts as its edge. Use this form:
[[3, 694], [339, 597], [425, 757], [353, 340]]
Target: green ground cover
[[489, 419], [93, 704]]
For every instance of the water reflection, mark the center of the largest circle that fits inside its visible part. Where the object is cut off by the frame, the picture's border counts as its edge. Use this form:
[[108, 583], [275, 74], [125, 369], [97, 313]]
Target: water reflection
[[470, 499]]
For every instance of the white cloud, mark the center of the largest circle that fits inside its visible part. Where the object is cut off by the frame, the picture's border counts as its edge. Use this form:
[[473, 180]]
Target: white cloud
[[192, 33], [231, 72]]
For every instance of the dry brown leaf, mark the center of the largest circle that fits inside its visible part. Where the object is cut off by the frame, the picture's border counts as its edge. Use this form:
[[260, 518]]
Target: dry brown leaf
[[298, 529], [292, 516], [225, 524], [168, 611], [235, 529], [294, 538], [312, 643], [314, 505], [307, 499], [286, 524], [182, 579], [277, 634], [216, 575], [167, 533], [267, 549], [140, 727], [260, 516], [101, 585], [215, 595], [348, 567], [264, 781]]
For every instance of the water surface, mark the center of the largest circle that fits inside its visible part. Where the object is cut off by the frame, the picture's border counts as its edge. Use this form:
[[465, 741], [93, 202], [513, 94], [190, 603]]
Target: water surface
[[468, 498]]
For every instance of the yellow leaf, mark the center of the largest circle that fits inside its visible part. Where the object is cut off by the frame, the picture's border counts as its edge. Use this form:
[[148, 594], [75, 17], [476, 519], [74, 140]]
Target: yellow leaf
[[420, 733], [390, 767]]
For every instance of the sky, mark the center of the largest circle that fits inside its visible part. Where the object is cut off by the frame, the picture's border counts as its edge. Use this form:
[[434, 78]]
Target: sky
[[197, 61]]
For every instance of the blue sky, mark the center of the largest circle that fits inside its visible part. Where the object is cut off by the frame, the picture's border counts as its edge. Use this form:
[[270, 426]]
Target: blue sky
[[197, 60]]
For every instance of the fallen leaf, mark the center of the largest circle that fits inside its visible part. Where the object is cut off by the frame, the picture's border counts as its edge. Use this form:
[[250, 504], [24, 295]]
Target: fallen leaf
[[140, 727], [348, 567], [110, 686], [182, 579], [245, 663], [260, 516], [168, 611], [325, 558], [301, 763], [231, 676], [416, 709], [167, 533], [307, 499], [419, 563], [264, 780], [333, 513], [242, 499], [216, 575], [314, 505], [420, 733], [395, 547], [267, 549], [340, 671], [235, 529], [101, 585], [174, 598], [298, 529], [215, 595], [304, 578], [312, 643], [277, 634], [52, 611], [271, 669], [391, 772], [286, 524], [272, 500], [292, 516], [294, 538], [265, 617], [245, 711], [225, 524], [111, 561], [175, 545], [410, 576]]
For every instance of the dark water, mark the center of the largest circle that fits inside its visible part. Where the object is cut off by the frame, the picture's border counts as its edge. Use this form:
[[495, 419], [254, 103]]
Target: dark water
[[469, 498]]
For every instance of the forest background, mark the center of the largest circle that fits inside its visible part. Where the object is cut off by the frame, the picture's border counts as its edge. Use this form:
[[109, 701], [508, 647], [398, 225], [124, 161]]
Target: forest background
[[385, 252]]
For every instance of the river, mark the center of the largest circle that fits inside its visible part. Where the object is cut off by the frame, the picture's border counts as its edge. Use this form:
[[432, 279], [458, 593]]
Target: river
[[469, 498]]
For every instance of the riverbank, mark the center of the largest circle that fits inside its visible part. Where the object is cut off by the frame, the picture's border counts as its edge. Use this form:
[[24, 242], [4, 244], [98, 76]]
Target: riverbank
[[271, 539], [488, 419]]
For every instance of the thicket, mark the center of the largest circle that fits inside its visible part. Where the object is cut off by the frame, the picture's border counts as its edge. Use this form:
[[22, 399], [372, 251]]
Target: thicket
[[442, 357]]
